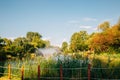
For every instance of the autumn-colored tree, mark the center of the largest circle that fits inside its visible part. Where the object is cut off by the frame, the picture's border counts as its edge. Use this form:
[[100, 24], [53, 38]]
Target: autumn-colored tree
[[99, 42], [104, 26], [116, 37], [108, 39]]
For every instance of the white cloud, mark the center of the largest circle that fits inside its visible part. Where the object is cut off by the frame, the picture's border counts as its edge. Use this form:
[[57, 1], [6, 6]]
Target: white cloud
[[88, 28], [85, 27], [95, 29], [89, 19], [108, 20], [73, 22]]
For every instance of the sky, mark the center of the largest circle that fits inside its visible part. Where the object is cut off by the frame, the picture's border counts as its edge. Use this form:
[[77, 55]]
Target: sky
[[55, 20]]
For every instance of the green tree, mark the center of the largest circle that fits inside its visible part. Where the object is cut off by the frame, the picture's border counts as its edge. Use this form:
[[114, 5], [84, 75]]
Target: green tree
[[18, 47], [22, 47], [33, 36], [78, 41], [7, 43], [2, 51], [64, 47], [2, 43]]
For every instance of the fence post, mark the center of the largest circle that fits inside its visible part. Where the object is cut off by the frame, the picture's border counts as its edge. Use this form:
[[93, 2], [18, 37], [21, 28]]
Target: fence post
[[89, 66], [38, 72], [22, 73], [9, 71], [61, 73]]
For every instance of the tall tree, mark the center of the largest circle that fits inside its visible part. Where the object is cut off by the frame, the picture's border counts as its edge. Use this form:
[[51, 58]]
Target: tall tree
[[108, 39], [116, 37], [64, 47], [32, 36], [104, 26], [78, 41]]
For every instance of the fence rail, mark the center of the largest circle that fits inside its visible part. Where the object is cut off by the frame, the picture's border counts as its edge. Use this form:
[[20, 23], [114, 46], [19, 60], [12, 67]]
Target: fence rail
[[89, 75]]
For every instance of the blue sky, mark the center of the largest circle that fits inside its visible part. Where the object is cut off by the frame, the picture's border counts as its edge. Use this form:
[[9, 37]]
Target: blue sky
[[55, 20]]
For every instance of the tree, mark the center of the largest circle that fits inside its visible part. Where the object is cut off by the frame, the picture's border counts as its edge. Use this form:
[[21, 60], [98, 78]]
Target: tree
[[32, 36], [22, 47], [108, 39], [64, 47], [2, 43], [2, 51], [99, 42], [116, 37], [78, 41], [7, 43], [104, 26]]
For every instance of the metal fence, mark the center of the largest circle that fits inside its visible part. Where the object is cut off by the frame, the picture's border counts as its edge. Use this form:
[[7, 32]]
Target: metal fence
[[61, 73]]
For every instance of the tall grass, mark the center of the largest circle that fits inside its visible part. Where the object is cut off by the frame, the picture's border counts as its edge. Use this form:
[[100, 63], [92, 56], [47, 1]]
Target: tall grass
[[104, 66], [49, 67], [107, 66]]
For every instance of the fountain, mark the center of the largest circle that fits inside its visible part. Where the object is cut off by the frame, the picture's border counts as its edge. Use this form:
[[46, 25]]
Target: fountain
[[47, 52]]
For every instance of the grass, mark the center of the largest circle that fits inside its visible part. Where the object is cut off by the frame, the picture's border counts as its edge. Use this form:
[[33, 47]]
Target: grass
[[78, 60], [6, 78]]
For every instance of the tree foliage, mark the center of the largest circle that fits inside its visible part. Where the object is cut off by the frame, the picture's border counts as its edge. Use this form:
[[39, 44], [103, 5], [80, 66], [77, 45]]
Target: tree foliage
[[104, 26], [33, 36], [22, 46], [78, 41], [108, 39], [64, 47]]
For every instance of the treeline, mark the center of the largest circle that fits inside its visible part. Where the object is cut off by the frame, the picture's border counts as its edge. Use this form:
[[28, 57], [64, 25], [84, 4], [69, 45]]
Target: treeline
[[106, 39], [21, 46]]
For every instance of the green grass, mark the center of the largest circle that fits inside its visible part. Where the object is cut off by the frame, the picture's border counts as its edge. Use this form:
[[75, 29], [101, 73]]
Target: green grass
[[112, 62], [12, 78]]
